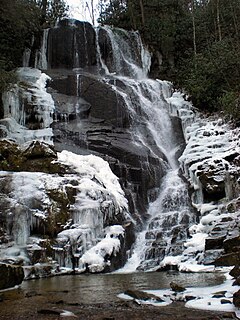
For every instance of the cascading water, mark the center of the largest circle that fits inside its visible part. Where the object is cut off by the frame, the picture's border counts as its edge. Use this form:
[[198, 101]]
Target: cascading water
[[170, 214]]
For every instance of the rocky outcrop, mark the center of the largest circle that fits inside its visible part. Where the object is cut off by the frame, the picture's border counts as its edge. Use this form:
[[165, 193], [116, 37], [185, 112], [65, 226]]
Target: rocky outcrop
[[10, 275], [100, 124], [144, 296], [72, 44], [33, 157]]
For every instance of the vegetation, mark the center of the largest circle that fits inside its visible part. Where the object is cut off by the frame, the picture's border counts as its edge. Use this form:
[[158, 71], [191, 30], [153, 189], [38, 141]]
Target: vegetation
[[20, 20], [195, 44]]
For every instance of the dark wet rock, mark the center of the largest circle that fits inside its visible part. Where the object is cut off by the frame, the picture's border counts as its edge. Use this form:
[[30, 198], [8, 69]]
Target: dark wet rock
[[10, 276], [214, 243], [189, 298], [236, 282], [176, 287], [49, 311], [229, 259], [236, 299], [225, 301], [32, 294], [220, 294], [72, 45], [39, 270], [212, 177], [210, 256], [232, 244], [235, 272], [106, 49], [141, 295], [104, 131]]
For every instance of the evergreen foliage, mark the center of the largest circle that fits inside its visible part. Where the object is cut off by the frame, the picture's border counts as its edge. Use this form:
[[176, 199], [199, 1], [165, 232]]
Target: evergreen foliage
[[194, 43], [20, 20]]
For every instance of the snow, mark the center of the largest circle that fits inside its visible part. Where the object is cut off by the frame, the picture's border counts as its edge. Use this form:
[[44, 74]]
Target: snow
[[99, 197], [95, 258], [204, 297], [66, 313], [95, 169]]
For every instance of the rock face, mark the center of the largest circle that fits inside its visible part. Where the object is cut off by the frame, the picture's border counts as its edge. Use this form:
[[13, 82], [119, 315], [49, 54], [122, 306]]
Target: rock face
[[71, 44], [10, 276]]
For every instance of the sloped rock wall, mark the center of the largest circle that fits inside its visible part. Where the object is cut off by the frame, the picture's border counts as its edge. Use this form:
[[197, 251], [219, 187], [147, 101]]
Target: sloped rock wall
[[10, 276]]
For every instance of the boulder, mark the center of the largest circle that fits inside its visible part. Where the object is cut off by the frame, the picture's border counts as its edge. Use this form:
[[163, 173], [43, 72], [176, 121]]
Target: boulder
[[176, 287], [34, 157], [232, 244], [141, 295], [212, 176], [235, 272], [229, 259], [214, 243], [236, 299], [236, 282], [10, 276]]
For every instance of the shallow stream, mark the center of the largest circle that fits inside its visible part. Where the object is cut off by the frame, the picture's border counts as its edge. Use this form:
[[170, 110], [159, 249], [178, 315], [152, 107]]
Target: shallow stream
[[103, 288]]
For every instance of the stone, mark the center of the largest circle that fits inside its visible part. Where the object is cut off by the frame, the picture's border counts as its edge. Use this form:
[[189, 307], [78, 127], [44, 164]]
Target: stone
[[38, 149], [236, 282], [189, 298], [214, 243], [235, 272], [49, 311], [220, 294], [236, 299], [69, 38], [10, 276], [229, 259], [176, 287], [232, 244], [141, 295], [212, 177], [225, 301]]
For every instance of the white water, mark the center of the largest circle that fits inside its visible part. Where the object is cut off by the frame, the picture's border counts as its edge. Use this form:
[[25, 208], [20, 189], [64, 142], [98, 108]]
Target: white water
[[41, 61], [148, 106]]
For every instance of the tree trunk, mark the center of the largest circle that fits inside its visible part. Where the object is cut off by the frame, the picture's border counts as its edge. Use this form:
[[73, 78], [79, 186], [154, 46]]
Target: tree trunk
[[218, 22], [194, 28], [142, 12]]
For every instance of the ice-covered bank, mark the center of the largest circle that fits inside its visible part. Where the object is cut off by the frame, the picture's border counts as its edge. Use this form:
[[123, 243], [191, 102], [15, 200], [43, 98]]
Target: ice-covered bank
[[215, 298], [52, 218], [210, 163]]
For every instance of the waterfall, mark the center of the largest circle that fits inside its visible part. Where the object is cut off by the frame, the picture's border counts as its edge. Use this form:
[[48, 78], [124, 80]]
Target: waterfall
[[41, 61], [121, 115], [128, 56], [170, 215]]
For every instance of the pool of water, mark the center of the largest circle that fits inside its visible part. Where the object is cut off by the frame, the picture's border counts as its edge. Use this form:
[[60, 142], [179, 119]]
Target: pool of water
[[101, 288]]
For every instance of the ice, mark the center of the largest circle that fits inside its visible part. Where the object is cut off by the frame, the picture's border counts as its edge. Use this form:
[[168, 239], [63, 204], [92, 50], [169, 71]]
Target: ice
[[93, 167], [204, 297], [29, 91], [95, 258]]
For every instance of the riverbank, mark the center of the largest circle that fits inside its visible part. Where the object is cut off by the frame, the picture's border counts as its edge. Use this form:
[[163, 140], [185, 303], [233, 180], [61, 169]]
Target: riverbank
[[96, 297], [43, 308]]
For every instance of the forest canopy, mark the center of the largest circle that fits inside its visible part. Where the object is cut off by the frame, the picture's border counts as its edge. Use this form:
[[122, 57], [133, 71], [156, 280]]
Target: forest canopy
[[20, 20]]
